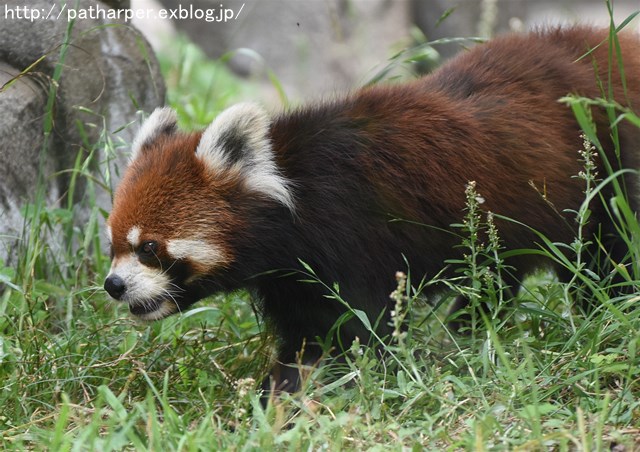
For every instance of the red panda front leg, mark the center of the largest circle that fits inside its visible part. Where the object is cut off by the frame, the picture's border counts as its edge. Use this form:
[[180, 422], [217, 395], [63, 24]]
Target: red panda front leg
[[286, 377], [301, 317], [289, 372], [306, 328]]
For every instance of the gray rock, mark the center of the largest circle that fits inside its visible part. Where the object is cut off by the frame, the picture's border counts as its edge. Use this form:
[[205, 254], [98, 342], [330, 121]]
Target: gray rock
[[21, 107], [108, 74]]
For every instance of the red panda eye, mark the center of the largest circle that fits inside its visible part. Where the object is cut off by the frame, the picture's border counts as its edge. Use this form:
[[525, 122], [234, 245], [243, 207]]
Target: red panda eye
[[149, 248]]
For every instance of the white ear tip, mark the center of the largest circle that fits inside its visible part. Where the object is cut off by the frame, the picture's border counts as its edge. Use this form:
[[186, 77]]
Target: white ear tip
[[245, 115], [239, 138], [164, 115], [249, 109], [163, 120], [247, 119]]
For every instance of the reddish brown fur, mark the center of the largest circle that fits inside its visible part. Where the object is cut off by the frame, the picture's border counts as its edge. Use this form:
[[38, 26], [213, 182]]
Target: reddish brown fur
[[170, 166], [390, 151]]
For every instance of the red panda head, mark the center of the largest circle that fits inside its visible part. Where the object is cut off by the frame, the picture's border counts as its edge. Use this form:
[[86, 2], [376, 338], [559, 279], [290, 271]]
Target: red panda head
[[174, 214]]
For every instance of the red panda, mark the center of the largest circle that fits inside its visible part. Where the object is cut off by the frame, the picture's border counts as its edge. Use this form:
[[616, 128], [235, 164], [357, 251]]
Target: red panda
[[244, 202]]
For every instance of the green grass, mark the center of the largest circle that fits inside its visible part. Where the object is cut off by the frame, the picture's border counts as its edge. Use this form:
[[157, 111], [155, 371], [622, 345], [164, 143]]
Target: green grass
[[536, 373]]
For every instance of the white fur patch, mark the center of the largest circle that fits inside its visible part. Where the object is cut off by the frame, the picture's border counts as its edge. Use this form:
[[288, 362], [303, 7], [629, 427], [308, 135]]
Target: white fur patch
[[142, 282], [249, 124], [133, 236], [145, 286], [197, 251], [109, 234], [162, 120]]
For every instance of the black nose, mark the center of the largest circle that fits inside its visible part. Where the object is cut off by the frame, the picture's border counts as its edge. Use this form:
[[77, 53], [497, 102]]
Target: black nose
[[115, 286]]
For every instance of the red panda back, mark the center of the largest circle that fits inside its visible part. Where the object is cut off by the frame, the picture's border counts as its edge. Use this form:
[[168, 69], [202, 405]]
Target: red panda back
[[491, 115]]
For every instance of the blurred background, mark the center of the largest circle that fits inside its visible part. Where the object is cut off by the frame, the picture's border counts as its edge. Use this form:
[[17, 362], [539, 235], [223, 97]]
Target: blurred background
[[318, 47]]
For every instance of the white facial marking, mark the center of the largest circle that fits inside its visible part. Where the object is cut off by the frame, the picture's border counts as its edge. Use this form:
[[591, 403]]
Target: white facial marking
[[149, 287], [248, 124], [133, 236], [198, 251], [142, 282], [109, 234]]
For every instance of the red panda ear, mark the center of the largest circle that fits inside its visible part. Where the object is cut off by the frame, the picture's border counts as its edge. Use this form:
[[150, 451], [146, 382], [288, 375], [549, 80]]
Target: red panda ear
[[239, 139], [163, 121]]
